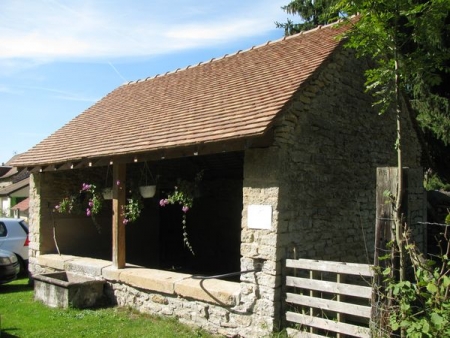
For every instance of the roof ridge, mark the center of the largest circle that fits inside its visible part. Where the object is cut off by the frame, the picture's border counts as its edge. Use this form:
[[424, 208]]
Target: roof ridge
[[235, 53]]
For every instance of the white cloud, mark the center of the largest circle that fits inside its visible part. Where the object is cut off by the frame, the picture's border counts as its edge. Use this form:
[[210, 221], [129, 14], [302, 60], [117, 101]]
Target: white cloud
[[55, 30]]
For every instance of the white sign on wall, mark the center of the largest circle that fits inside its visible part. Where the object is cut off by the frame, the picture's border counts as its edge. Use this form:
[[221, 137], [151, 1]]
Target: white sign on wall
[[259, 216]]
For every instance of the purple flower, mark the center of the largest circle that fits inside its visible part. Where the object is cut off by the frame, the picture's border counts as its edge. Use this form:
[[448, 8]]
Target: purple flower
[[185, 208], [85, 187], [91, 204], [88, 212]]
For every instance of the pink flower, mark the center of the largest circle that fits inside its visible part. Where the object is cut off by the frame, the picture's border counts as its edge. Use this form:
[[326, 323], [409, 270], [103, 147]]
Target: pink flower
[[91, 204], [163, 202], [125, 221], [57, 207], [185, 208], [88, 212], [85, 187], [118, 182]]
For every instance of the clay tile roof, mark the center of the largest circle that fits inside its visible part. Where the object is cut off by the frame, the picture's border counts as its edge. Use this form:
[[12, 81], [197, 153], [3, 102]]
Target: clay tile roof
[[236, 96], [22, 206]]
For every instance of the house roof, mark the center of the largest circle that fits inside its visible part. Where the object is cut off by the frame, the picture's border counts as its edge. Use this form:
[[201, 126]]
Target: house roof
[[235, 97], [23, 205], [4, 171], [14, 187]]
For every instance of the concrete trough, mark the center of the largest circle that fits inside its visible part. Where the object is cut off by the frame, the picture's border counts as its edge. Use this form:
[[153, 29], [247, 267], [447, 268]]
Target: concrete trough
[[64, 289]]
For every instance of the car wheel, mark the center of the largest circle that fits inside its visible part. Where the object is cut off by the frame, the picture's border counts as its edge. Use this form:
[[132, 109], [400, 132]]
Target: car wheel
[[23, 267]]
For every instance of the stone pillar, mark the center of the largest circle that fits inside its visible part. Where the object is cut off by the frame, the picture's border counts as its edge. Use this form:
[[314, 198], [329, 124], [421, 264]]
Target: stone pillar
[[259, 250], [34, 220]]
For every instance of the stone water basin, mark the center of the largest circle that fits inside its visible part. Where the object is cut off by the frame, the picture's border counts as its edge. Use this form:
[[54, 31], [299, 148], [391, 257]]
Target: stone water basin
[[65, 289]]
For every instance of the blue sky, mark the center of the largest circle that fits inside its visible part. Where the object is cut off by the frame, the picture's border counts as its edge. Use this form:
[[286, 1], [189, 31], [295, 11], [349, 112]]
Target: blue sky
[[58, 57]]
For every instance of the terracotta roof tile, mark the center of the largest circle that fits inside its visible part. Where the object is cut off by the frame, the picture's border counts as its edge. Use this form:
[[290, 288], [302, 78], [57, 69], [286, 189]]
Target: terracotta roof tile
[[232, 97], [22, 206]]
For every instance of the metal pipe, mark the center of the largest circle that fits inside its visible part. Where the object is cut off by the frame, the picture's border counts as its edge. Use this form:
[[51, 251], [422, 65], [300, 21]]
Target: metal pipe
[[226, 274]]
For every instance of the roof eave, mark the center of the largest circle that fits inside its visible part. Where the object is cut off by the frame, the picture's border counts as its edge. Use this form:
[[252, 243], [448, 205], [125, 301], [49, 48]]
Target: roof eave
[[203, 148]]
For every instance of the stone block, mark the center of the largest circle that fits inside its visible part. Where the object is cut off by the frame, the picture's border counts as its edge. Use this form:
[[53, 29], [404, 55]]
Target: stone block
[[111, 274], [149, 279], [159, 299], [87, 266], [213, 291], [61, 289], [55, 261]]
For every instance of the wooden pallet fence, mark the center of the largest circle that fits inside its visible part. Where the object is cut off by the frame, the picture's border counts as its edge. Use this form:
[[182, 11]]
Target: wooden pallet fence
[[328, 299]]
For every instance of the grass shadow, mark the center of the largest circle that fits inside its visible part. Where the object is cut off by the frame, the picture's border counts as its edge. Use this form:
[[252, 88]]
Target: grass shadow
[[10, 288], [4, 333]]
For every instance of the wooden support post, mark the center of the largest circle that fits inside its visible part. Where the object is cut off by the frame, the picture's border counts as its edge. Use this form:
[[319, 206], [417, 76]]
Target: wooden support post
[[118, 228], [387, 178]]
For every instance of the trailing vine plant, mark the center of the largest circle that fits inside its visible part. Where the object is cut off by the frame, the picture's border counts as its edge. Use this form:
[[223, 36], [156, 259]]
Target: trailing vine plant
[[88, 201], [131, 211], [183, 195]]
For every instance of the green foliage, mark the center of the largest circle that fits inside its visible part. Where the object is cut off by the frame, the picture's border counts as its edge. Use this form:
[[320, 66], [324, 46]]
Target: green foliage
[[423, 306], [420, 306], [21, 316], [434, 182], [390, 198], [416, 34], [312, 13], [131, 211], [88, 200]]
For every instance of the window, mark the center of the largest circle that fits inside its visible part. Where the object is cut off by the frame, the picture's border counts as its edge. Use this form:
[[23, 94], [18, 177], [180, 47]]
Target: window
[[3, 231]]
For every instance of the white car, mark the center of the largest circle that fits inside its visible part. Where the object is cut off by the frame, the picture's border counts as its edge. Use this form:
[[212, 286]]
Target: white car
[[9, 267], [14, 238]]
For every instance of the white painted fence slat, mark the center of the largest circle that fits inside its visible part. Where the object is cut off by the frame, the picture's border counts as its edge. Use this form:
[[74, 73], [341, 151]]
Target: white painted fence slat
[[331, 287], [331, 305], [336, 267], [330, 325]]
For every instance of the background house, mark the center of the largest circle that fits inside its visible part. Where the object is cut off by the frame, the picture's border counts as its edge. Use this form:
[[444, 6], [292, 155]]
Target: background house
[[289, 144], [14, 189]]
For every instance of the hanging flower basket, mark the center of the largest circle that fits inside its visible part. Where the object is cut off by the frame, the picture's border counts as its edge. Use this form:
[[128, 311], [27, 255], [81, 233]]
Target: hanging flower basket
[[107, 193], [148, 187], [147, 191], [184, 195]]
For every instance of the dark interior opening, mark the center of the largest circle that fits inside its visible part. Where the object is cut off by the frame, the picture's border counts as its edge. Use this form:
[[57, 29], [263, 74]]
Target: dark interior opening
[[213, 224], [155, 239]]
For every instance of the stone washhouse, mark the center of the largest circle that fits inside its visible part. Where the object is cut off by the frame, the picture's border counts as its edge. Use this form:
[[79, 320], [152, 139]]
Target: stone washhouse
[[288, 143]]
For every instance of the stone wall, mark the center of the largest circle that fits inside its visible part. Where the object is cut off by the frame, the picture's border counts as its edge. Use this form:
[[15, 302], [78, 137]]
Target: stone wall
[[210, 304], [329, 166], [319, 177], [215, 318]]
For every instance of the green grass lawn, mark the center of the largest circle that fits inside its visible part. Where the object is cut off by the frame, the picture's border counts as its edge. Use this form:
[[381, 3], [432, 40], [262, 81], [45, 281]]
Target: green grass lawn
[[21, 316]]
